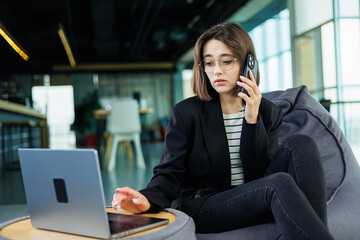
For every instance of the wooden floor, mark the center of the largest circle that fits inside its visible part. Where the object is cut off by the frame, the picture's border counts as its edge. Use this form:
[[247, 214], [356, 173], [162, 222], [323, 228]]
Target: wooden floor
[[12, 195]]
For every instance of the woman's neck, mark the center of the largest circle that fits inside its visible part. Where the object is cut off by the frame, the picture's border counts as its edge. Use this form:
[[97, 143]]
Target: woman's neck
[[230, 104]]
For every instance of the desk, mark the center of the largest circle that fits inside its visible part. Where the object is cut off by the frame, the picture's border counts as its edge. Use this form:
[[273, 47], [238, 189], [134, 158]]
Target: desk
[[22, 229], [20, 127]]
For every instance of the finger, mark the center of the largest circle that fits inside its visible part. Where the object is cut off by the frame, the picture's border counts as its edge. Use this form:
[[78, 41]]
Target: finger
[[115, 196], [252, 84], [120, 199], [131, 200], [138, 204], [250, 99], [126, 191], [126, 202], [130, 193], [247, 87], [133, 205], [244, 96], [116, 201], [256, 88], [127, 205], [122, 189], [251, 75], [113, 202], [139, 201], [243, 83], [141, 204], [115, 205], [248, 81]]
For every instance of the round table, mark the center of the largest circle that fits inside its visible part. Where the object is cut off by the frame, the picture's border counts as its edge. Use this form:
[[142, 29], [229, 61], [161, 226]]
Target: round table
[[180, 225]]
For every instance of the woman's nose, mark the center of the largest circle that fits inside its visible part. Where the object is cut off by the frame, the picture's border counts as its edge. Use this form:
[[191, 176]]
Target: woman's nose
[[217, 68]]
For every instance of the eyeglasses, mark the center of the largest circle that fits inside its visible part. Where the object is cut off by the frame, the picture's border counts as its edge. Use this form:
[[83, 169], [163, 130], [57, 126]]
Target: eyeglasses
[[226, 63]]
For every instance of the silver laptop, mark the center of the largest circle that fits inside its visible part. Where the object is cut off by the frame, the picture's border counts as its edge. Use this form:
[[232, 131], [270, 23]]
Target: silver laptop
[[64, 193]]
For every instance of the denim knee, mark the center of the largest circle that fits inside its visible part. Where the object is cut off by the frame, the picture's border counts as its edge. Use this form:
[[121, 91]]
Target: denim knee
[[301, 141], [304, 146], [280, 180]]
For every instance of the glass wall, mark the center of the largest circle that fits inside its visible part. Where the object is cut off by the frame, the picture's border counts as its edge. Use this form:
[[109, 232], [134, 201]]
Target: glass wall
[[320, 50], [327, 58], [57, 102], [187, 88], [273, 51], [309, 62], [271, 38]]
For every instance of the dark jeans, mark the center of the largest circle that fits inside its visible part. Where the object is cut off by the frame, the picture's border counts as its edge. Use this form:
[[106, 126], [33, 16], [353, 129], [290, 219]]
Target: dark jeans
[[292, 192]]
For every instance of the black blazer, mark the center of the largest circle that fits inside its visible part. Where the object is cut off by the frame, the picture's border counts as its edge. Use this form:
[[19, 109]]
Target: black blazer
[[195, 162]]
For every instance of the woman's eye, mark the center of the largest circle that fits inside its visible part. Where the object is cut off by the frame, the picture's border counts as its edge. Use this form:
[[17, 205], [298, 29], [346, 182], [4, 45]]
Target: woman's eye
[[209, 63], [227, 62]]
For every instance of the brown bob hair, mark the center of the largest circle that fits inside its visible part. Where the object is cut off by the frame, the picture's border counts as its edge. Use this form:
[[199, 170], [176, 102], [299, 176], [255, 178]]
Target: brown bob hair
[[234, 37]]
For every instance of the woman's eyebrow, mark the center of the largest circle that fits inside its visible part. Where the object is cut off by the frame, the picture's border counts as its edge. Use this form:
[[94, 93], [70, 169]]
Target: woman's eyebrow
[[222, 55]]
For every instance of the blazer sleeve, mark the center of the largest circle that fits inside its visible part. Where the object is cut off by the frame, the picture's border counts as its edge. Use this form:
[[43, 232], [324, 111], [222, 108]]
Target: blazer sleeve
[[259, 142], [165, 184]]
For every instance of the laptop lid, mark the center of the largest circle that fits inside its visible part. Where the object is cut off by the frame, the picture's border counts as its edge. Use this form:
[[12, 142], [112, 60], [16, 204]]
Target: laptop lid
[[64, 193]]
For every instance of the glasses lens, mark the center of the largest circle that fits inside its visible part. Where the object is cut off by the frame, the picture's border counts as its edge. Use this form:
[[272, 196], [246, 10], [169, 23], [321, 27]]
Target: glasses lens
[[227, 63], [207, 64]]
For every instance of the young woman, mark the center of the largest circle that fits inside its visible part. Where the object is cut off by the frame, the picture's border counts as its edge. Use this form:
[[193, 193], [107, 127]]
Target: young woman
[[221, 163]]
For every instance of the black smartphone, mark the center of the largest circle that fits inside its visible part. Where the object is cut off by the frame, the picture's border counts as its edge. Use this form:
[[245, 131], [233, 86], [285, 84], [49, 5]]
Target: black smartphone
[[251, 64]]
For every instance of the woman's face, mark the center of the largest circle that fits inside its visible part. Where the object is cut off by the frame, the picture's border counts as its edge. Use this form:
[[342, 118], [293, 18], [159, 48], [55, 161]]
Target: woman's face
[[225, 69]]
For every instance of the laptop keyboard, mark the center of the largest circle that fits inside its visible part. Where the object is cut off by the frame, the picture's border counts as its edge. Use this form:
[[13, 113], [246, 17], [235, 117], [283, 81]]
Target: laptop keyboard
[[121, 226]]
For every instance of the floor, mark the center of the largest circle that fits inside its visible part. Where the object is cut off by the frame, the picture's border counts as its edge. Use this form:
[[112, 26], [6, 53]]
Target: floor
[[12, 195]]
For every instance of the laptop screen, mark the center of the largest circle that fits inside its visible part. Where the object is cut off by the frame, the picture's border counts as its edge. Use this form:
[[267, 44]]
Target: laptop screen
[[64, 192]]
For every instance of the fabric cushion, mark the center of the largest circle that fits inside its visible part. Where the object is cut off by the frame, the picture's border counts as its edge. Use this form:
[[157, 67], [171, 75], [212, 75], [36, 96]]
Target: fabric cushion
[[304, 115]]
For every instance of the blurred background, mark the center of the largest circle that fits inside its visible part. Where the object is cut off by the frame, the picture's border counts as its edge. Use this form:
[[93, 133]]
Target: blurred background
[[64, 62]]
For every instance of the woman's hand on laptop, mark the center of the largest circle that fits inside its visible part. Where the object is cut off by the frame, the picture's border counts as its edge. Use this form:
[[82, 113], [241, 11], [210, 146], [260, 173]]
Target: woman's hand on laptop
[[130, 200]]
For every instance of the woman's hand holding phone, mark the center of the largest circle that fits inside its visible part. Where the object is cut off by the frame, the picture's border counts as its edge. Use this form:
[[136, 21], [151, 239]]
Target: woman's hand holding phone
[[130, 200], [252, 100]]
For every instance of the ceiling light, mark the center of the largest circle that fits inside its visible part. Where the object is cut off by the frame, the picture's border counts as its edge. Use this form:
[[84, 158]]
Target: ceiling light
[[12, 42], [209, 3], [193, 21], [66, 44]]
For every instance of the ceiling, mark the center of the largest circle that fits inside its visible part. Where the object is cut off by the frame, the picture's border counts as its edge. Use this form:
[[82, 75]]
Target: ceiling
[[105, 32]]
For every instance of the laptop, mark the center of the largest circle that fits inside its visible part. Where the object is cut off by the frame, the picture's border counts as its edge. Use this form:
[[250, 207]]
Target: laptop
[[64, 193]]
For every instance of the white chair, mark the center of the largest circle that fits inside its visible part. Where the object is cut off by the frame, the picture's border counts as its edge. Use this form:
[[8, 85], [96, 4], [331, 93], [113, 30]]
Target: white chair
[[123, 123]]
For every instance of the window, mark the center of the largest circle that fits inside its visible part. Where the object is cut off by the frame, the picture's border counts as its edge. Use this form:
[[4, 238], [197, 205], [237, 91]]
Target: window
[[273, 50], [57, 102], [187, 89], [327, 60]]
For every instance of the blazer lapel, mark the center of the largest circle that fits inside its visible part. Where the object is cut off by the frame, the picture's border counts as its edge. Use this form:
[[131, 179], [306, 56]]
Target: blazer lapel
[[216, 141]]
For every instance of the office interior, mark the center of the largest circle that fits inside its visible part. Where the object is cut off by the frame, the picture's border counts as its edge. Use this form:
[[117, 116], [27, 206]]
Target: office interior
[[56, 86]]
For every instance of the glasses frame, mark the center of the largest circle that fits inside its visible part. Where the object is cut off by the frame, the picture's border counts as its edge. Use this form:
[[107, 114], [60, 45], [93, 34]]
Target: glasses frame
[[202, 67]]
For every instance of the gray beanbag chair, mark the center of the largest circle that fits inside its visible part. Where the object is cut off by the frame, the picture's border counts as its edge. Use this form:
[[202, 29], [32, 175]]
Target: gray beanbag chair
[[304, 115]]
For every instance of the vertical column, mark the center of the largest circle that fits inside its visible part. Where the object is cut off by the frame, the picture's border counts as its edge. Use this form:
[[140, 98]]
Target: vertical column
[[339, 86], [177, 83], [290, 5]]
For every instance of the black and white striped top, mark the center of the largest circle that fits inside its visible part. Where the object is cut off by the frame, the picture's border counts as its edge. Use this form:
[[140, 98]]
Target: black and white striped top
[[233, 127]]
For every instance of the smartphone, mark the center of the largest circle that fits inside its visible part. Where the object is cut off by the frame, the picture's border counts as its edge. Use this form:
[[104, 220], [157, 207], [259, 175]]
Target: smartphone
[[251, 64]]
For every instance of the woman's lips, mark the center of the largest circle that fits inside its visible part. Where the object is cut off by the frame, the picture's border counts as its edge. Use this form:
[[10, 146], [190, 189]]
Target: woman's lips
[[220, 82]]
